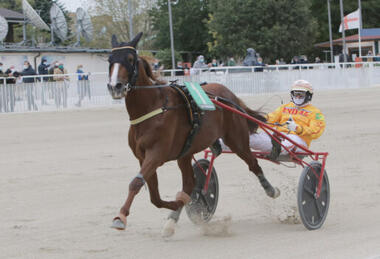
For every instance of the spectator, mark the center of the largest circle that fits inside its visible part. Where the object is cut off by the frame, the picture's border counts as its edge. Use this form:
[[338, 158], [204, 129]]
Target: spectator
[[180, 68], [2, 74], [198, 65], [369, 56], [341, 58], [303, 59], [317, 60], [295, 60], [282, 62], [2, 98], [28, 71], [259, 65], [43, 69], [29, 84], [11, 72], [186, 70], [213, 63], [53, 66], [83, 85], [200, 62], [251, 58], [61, 85], [231, 62]]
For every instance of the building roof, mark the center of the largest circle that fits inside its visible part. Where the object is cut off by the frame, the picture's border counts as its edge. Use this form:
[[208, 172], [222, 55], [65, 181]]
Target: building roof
[[11, 15], [366, 35], [23, 49]]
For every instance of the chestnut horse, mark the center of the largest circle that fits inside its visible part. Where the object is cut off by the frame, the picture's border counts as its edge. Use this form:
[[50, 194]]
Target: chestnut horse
[[160, 127]]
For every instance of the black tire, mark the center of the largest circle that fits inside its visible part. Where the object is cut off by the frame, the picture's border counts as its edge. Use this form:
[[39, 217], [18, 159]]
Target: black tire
[[202, 207], [313, 211]]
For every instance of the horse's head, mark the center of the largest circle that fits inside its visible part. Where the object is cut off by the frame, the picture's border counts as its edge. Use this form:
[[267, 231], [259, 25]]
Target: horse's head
[[123, 67]]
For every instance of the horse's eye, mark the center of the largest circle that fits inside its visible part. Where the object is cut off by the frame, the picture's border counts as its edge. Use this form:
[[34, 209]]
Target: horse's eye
[[130, 60]]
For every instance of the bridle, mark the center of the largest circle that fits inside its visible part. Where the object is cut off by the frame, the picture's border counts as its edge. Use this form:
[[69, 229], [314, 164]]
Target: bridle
[[133, 69]]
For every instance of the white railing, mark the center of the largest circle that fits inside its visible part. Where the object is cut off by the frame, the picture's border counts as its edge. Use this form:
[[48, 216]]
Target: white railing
[[45, 94]]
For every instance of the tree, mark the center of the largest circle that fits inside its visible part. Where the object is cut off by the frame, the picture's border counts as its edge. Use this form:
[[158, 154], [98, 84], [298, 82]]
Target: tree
[[165, 57], [275, 28], [14, 5], [189, 26], [370, 16], [118, 12]]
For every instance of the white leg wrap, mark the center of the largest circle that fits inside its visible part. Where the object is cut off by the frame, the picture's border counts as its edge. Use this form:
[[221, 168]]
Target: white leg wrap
[[184, 197], [169, 228]]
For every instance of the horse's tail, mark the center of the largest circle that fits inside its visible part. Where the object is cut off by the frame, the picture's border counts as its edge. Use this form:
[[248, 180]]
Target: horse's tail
[[252, 126]]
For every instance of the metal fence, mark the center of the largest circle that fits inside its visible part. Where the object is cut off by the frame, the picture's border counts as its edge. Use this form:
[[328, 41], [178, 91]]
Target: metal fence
[[45, 94]]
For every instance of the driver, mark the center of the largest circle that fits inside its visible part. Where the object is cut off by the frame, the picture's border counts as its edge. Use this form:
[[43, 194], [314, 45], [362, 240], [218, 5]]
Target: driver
[[299, 120]]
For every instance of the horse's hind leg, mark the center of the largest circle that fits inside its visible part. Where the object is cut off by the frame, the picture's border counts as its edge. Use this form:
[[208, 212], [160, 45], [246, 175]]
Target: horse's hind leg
[[188, 182], [241, 148], [155, 195]]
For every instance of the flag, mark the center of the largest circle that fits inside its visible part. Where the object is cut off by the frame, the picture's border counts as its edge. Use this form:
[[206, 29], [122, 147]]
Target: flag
[[351, 21]]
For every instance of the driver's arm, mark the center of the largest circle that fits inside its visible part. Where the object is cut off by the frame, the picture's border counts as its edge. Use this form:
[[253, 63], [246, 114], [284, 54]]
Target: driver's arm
[[275, 116], [316, 126]]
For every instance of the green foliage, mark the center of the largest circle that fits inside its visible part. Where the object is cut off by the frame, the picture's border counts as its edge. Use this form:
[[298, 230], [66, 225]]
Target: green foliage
[[274, 28], [189, 25], [14, 5], [165, 57], [370, 16]]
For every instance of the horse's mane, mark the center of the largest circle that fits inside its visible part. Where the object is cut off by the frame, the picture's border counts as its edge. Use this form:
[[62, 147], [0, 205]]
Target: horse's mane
[[148, 70]]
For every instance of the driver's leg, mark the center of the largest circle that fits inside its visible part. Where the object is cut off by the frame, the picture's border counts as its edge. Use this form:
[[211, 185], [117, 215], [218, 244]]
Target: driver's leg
[[260, 141], [291, 146]]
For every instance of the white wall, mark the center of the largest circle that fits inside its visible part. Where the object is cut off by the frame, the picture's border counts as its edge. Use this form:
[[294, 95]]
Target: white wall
[[93, 62]]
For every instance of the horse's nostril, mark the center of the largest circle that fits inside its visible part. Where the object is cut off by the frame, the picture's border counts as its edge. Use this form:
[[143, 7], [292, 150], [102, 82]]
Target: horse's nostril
[[118, 86]]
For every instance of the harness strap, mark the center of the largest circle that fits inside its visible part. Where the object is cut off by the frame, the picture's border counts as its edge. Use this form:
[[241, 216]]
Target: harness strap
[[147, 116], [124, 47]]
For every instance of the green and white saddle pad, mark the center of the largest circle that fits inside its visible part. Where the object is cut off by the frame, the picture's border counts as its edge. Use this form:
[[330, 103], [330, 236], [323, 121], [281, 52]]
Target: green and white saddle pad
[[199, 96]]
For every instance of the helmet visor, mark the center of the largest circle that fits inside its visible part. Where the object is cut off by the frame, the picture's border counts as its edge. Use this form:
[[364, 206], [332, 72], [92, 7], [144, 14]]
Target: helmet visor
[[299, 94]]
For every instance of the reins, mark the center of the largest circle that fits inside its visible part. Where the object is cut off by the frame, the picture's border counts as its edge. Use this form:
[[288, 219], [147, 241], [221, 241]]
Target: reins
[[137, 87]]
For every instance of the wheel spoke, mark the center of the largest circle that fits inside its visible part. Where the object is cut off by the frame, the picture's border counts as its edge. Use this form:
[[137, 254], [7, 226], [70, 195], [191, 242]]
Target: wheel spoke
[[308, 190], [319, 208]]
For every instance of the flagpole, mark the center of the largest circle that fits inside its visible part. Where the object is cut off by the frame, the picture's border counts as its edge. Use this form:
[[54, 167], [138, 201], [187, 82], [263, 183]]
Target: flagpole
[[330, 32], [360, 28], [343, 30]]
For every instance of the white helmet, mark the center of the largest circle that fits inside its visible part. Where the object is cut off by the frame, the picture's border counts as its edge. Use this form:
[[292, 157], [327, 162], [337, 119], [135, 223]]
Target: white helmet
[[301, 86]]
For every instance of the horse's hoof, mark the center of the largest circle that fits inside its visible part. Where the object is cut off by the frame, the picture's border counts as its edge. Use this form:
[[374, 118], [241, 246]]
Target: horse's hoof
[[276, 193], [169, 228], [118, 224], [273, 192]]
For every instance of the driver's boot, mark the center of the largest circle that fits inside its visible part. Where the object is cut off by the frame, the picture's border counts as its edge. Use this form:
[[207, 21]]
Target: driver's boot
[[276, 150]]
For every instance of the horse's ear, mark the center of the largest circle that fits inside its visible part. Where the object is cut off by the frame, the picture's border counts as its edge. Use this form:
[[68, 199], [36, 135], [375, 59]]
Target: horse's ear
[[114, 42], [136, 39]]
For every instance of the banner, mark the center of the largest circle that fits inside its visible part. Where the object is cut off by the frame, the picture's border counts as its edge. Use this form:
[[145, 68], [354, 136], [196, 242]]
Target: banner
[[351, 21]]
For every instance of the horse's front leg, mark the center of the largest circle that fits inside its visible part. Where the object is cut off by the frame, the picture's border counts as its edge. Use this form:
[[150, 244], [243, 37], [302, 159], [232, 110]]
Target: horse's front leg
[[148, 174], [148, 168]]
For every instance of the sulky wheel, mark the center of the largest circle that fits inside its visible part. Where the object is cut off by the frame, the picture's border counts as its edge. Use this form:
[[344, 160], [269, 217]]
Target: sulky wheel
[[313, 211], [202, 206]]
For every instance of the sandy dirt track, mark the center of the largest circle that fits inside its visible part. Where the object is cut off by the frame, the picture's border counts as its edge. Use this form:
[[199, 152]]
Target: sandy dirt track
[[64, 176]]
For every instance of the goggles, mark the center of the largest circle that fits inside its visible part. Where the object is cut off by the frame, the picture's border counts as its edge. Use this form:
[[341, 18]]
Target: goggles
[[299, 94]]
